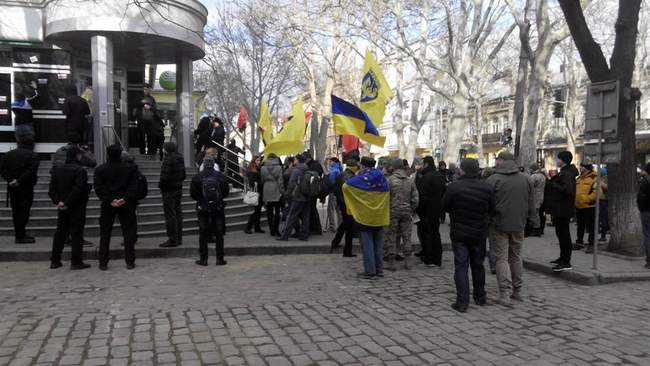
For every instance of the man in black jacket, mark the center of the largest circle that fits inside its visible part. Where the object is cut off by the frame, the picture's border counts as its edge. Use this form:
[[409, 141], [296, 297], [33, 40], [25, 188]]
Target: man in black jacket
[[470, 202], [347, 226], [210, 210], [643, 202], [19, 167], [172, 175], [201, 133], [69, 190], [116, 185], [559, 201], [75, 109], [431, 187]]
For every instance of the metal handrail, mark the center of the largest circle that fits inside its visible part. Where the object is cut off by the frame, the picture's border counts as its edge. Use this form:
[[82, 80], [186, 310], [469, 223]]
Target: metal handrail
[[117, 137], [230, 151]]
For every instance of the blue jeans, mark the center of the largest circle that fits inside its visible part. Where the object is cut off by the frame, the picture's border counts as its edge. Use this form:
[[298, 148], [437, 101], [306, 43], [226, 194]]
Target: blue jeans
[[372, 242], [469, 256]]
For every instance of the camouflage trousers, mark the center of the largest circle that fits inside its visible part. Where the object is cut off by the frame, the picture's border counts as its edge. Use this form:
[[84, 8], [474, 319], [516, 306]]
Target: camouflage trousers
[[398, 235]]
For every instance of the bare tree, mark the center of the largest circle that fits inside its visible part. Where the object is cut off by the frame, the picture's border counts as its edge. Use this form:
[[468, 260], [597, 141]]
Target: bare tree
[[624, 218], [248, 51]]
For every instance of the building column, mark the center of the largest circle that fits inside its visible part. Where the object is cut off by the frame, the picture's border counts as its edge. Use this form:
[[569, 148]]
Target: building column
[[102, 61], [184, 108]]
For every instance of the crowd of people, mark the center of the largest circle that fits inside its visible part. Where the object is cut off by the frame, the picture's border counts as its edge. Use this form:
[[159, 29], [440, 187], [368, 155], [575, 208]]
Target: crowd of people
[[377, 202]]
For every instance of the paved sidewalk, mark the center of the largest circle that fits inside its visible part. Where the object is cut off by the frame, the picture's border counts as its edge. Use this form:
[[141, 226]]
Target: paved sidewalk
[[537, 253]]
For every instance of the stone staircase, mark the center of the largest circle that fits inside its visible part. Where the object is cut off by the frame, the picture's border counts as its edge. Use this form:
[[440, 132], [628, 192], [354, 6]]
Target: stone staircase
[[151, 222]]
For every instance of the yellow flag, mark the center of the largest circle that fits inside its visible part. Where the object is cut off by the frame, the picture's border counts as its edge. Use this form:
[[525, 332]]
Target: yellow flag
[[290, 139], [265, 124], [374, 90]]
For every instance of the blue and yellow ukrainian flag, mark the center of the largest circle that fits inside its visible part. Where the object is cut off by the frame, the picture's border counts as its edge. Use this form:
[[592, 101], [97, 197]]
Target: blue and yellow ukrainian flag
[[367, 198], [351, 120]]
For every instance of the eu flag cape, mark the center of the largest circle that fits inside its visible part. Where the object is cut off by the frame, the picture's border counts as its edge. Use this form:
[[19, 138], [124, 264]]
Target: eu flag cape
[[351, 120], [367, 198]]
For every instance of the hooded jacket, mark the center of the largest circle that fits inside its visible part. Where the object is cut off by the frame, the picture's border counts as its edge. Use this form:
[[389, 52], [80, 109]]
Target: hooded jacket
[[513, 195], [403, 193], [470, 203], [559, 198], [116, 179], [586, 190], [69, 184], [272, 180], [172, 172]]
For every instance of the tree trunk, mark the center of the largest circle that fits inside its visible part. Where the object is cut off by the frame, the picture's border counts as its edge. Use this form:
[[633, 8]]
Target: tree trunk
[[520, 100], [623, 214], [456, 128], [478, 112], [538, 74]]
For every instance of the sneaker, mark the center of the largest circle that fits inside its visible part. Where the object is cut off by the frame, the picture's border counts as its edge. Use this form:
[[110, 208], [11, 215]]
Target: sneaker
[[461, 308], [589, 249], [418, 254], [503, 301], [562, 267], [380, 274], [168, 244], [480, 302], [103, 267], [493, 271], [647, 266], [399, 257], [87, 243], [55, 265], [260, 231], [516, 296], [76, 267], [557, 261], [248, 231], [26, 240], [221, 262], [349, 255], [130, 265], [366, 276], [202, 262], [602, 238]]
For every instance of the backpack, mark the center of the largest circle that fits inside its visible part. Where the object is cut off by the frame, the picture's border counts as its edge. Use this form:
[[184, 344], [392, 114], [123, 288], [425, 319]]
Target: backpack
[[310, 184], [142, 186], [212, 200]]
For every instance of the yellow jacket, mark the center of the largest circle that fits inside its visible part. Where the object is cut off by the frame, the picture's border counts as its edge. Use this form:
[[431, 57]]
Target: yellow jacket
[[586, 190]]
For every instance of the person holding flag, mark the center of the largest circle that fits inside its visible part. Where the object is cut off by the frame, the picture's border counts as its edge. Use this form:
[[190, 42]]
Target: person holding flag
[[367, 199]]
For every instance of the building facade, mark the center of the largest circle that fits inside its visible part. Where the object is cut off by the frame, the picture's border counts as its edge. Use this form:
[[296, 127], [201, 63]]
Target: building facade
[[48, 45]]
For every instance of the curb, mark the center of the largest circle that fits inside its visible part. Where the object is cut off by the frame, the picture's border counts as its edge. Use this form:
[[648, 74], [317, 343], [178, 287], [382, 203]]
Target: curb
[[117, 252], [587, 278]]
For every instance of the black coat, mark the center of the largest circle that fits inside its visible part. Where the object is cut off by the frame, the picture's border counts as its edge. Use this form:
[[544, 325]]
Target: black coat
[[643, 197], [69, 184], [172, 173], [75, 109], [560, 193], [196, 188], [20, 164], [470, 203], [115, 180], [201, 131], [338, 190], [431, 188]]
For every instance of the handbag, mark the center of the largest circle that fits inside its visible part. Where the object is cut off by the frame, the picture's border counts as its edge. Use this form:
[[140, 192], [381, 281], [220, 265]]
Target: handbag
[[252, 198]]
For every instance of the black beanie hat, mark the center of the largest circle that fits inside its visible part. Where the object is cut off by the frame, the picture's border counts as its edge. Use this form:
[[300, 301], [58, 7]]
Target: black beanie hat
[[470, 167], [114, 151], [566, 157], [368, 162]]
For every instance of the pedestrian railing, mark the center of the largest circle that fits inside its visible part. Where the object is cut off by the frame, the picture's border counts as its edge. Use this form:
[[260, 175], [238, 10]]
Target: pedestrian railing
[[107, 130]]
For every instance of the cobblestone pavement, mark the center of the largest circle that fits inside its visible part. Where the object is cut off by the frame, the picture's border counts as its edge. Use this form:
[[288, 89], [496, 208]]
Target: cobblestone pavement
[[306, 310]]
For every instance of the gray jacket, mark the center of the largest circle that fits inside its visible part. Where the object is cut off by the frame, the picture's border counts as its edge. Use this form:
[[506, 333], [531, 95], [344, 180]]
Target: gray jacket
[[513, 194], [293, 189], [272, 181]]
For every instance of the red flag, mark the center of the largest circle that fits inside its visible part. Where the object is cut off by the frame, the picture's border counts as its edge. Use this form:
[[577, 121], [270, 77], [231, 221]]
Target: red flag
[[243, 117], [350, 143], [308, 116]]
